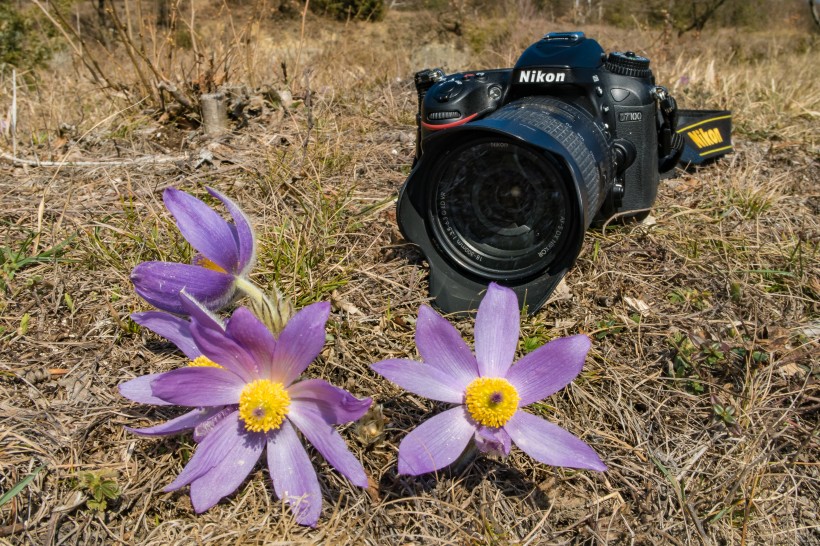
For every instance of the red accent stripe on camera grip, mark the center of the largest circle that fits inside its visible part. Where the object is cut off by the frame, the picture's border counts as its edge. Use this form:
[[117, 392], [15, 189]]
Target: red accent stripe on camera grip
[[430, 127]]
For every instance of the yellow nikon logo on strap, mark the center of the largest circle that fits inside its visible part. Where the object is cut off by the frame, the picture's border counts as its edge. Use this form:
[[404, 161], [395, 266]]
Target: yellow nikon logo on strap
[[707, 134], [707, 138]]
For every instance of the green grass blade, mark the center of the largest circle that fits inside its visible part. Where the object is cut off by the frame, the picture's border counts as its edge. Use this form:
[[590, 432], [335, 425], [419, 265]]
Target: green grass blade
[[11, 493]]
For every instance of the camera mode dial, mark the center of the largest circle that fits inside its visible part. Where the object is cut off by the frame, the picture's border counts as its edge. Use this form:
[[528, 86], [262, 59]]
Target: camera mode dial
[[628, 64], [447, 91]]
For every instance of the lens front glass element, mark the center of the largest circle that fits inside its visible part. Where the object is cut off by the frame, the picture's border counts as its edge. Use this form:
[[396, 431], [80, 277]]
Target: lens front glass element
[[500, 207]]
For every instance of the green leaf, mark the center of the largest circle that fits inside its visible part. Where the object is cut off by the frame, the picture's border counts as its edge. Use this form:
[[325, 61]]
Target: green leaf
[[97, 505], [68, 301], [109, 489], [24, 324]]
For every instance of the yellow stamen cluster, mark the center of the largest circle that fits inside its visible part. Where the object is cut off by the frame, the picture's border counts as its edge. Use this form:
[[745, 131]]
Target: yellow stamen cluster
[[491, 401], [202, 261], [203, 362], [263, 405]]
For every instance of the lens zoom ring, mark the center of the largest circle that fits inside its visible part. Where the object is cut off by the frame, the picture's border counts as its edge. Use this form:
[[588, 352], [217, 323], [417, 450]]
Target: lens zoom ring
[[577, 133]]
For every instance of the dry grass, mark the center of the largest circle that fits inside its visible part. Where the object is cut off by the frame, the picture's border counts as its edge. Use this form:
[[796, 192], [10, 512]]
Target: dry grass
[[713, 305]]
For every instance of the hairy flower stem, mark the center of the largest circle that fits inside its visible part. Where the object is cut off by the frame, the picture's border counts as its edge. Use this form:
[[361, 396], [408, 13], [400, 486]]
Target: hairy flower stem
[[273, 310], [464, 460]]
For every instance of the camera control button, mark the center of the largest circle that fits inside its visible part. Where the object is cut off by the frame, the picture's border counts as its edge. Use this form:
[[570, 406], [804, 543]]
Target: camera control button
[[599, 91], [448, 91], [619, 93]]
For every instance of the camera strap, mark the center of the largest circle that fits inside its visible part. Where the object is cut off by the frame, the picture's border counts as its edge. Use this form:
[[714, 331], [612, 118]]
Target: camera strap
[[707, 135], [670, 142], [690, 137]]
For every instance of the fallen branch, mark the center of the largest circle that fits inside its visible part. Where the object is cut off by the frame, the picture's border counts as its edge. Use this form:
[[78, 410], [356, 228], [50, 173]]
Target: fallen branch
[[144, 160], [7, 530], [177, 94]]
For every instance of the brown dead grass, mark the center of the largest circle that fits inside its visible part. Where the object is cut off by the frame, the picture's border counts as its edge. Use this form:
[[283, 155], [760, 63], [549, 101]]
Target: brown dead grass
[[728, 264]]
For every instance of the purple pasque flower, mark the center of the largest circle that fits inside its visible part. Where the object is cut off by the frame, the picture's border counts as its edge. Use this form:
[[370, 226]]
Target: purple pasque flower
[[178, 331], [225, 254], [488, 390], [261, 406]]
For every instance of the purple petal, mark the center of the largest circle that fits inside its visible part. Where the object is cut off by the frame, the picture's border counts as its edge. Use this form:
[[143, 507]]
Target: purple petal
[[422, 379], [550, 444], [175, 329], [442, 347], [496, 331], [328, 442], [549, 368], [300, 342], [230, 471], [140, 390], [159, 283], [200, 313], [198, 387], [205, 427], [336, 406], [254, 337], [182, 423], [213, 449], [206, 230], [495, 441], [221, 349], [436, 442], [293, 476], [242, 231]]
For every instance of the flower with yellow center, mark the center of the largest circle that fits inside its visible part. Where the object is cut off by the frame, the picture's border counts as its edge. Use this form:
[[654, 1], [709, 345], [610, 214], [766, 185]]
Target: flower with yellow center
[[254, 402], [225, 252], [488, 391], [491, 401], [263, 405]]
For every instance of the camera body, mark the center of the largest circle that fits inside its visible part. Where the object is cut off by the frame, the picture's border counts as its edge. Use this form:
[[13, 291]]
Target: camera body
[[513, 165]]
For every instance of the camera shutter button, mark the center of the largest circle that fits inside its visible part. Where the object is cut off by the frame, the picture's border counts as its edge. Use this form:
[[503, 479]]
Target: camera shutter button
[[448, 90]]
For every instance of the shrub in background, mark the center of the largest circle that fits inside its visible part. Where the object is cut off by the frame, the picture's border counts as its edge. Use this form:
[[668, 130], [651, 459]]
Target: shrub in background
[[681, 15], [363, 10], [22, 42]]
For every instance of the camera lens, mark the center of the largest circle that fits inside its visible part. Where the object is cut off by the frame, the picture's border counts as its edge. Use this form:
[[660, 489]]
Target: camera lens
[[507, 198], [500, 207]]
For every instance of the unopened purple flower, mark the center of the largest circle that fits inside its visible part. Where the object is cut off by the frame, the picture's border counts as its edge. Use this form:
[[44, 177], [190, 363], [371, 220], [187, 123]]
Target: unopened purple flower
[[261, 404], [488, 390], [226, 252]]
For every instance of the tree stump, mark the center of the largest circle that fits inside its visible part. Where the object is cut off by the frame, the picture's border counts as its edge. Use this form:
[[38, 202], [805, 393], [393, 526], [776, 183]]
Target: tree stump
[[214, 113]]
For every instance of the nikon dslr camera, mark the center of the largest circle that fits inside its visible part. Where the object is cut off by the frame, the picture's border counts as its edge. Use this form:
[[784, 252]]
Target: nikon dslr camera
[[513, 165]]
